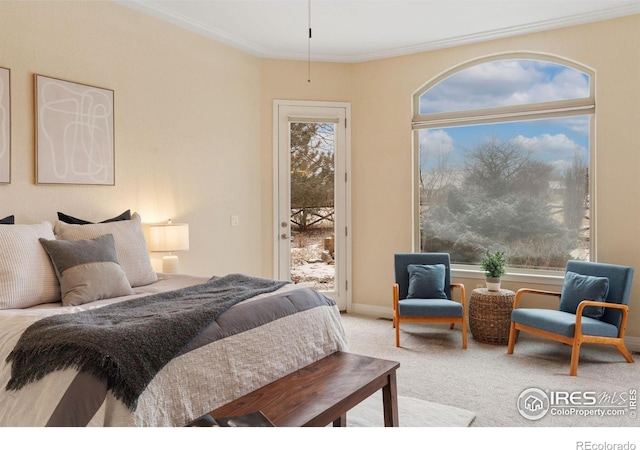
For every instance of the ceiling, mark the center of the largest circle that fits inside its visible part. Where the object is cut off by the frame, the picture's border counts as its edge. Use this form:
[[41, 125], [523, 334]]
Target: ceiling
[[362, 30]]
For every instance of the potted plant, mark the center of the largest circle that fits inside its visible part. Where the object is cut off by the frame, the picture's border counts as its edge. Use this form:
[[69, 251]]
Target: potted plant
[[493, 266]]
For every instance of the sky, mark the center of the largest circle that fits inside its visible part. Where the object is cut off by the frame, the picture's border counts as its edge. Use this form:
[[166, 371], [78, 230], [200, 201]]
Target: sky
[[503, 83]]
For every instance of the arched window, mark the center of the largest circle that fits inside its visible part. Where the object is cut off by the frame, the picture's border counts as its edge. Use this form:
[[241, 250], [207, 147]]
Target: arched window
[[504, 151]]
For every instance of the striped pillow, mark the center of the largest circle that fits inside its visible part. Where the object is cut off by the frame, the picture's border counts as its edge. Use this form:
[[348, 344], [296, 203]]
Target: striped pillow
[[131, 246], [88, 269], [27, 277]]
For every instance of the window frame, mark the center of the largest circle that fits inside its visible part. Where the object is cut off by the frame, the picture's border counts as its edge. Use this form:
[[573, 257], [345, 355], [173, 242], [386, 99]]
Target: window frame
[[513, 113]]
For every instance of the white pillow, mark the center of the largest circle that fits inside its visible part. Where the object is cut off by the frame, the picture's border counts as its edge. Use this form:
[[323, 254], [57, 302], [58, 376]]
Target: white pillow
[[27, 277], [131, 246]]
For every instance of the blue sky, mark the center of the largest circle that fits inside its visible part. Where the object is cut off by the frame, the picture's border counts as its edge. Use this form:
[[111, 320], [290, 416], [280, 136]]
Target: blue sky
[[501, 83]]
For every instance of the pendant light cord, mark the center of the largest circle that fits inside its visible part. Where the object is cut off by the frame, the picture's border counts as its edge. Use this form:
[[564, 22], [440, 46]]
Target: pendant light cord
[[309, 44]]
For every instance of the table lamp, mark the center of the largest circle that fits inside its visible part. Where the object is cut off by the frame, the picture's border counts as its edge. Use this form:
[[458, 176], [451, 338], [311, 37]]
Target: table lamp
[[169, 237]]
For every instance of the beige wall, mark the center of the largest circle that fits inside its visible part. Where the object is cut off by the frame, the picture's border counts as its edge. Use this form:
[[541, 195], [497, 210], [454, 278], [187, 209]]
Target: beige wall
[[187, 125], [194, 133], [287, 80], [381, 92]]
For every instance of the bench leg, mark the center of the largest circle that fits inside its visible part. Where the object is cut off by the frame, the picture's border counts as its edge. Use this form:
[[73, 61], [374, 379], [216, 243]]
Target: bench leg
[[390, 401], [340, 421]]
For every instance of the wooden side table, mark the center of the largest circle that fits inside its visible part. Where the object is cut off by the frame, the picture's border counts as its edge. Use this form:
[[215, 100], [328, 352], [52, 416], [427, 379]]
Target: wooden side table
[[490, 315]]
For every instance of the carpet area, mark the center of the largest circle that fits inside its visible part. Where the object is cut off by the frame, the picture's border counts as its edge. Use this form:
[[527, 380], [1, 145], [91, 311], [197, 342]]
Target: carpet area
[[412, 412], [487, 381]]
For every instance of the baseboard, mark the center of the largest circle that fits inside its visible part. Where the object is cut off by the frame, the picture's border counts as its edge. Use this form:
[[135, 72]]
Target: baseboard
[[373, 311], [633, 343]]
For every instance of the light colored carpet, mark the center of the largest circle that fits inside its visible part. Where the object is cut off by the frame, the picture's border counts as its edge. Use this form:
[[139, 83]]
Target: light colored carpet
[[412, 412], [487, 381]]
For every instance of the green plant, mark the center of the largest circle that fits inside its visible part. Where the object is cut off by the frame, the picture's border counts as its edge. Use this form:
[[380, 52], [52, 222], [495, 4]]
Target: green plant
[[493, 264]]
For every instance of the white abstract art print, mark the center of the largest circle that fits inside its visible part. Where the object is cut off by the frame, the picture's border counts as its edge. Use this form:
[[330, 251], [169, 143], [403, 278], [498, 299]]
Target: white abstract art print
[[5, 126], [74, 133]]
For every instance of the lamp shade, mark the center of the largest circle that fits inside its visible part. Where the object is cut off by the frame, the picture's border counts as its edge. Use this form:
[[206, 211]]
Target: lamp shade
[[169, 237]]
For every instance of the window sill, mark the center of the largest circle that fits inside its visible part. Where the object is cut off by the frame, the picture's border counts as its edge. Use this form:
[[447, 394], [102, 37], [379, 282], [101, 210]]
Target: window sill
[[547, 278]]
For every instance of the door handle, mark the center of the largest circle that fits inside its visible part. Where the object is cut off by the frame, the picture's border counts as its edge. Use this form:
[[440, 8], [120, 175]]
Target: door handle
[[284, 236]]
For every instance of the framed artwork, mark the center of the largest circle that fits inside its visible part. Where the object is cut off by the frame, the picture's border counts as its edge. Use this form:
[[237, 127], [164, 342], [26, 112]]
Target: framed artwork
[[5, 125], [74, 133]]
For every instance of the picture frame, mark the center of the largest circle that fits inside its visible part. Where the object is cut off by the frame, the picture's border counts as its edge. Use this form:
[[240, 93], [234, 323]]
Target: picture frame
[[5, 125], [74, 133]]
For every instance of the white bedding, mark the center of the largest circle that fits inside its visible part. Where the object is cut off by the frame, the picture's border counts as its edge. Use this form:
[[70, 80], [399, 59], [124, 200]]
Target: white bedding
[[191, 384]]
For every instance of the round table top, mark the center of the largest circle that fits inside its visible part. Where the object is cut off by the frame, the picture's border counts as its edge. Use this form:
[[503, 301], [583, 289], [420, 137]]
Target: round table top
[[501, 292]]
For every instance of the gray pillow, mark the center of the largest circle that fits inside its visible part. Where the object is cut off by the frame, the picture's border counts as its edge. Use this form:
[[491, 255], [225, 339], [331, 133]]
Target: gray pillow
[[577, 288], [426, 281], [87, 269]]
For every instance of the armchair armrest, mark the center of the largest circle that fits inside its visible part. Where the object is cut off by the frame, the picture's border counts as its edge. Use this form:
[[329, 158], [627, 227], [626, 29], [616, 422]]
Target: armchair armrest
[[584, 303], [463, 296], [523, 291]]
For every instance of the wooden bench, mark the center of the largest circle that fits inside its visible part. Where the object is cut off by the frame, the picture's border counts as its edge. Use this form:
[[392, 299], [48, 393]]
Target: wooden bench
[[322, 393]]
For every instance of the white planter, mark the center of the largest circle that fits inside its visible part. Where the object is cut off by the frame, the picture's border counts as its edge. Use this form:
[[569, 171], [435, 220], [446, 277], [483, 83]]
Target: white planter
[[493, 284]]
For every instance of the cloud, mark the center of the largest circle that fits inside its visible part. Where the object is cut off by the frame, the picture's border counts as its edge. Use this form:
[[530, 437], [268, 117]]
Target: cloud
[[435, 144], [577, 124], [503, 83], [557, 143], [558, 149], [435, 148]]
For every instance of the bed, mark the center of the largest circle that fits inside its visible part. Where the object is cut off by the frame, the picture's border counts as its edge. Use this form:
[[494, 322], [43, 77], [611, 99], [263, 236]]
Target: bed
[[255, 341]]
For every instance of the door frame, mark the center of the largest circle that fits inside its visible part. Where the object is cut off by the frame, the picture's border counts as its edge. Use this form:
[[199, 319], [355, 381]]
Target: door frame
[[343, 291]]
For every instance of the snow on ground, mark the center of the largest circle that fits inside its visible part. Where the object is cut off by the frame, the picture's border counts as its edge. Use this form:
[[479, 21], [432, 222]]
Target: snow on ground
[[309, 269]]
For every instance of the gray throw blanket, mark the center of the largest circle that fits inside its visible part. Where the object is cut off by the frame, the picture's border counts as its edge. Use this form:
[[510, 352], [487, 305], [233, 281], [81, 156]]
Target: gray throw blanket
[[126, 344]]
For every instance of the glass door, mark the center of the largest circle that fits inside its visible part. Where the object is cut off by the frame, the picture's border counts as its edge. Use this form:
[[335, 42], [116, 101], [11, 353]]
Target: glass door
[[311, 178]]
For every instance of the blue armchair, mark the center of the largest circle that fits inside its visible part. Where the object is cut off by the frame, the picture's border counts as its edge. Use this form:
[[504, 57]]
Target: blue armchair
[[593, 309], [422, 292]]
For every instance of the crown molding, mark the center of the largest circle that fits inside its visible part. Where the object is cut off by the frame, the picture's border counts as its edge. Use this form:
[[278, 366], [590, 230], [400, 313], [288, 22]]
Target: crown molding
[[534, 27], [156, 10]]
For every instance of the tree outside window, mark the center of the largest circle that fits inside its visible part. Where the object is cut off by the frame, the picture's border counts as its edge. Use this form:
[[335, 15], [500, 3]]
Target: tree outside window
[[312, 174]]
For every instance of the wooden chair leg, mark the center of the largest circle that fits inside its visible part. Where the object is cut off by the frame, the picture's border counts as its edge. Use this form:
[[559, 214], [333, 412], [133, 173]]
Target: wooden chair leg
[[512, 338], [451, 326], [625, 352], [464, 334], [575, 357], [398, 332]]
